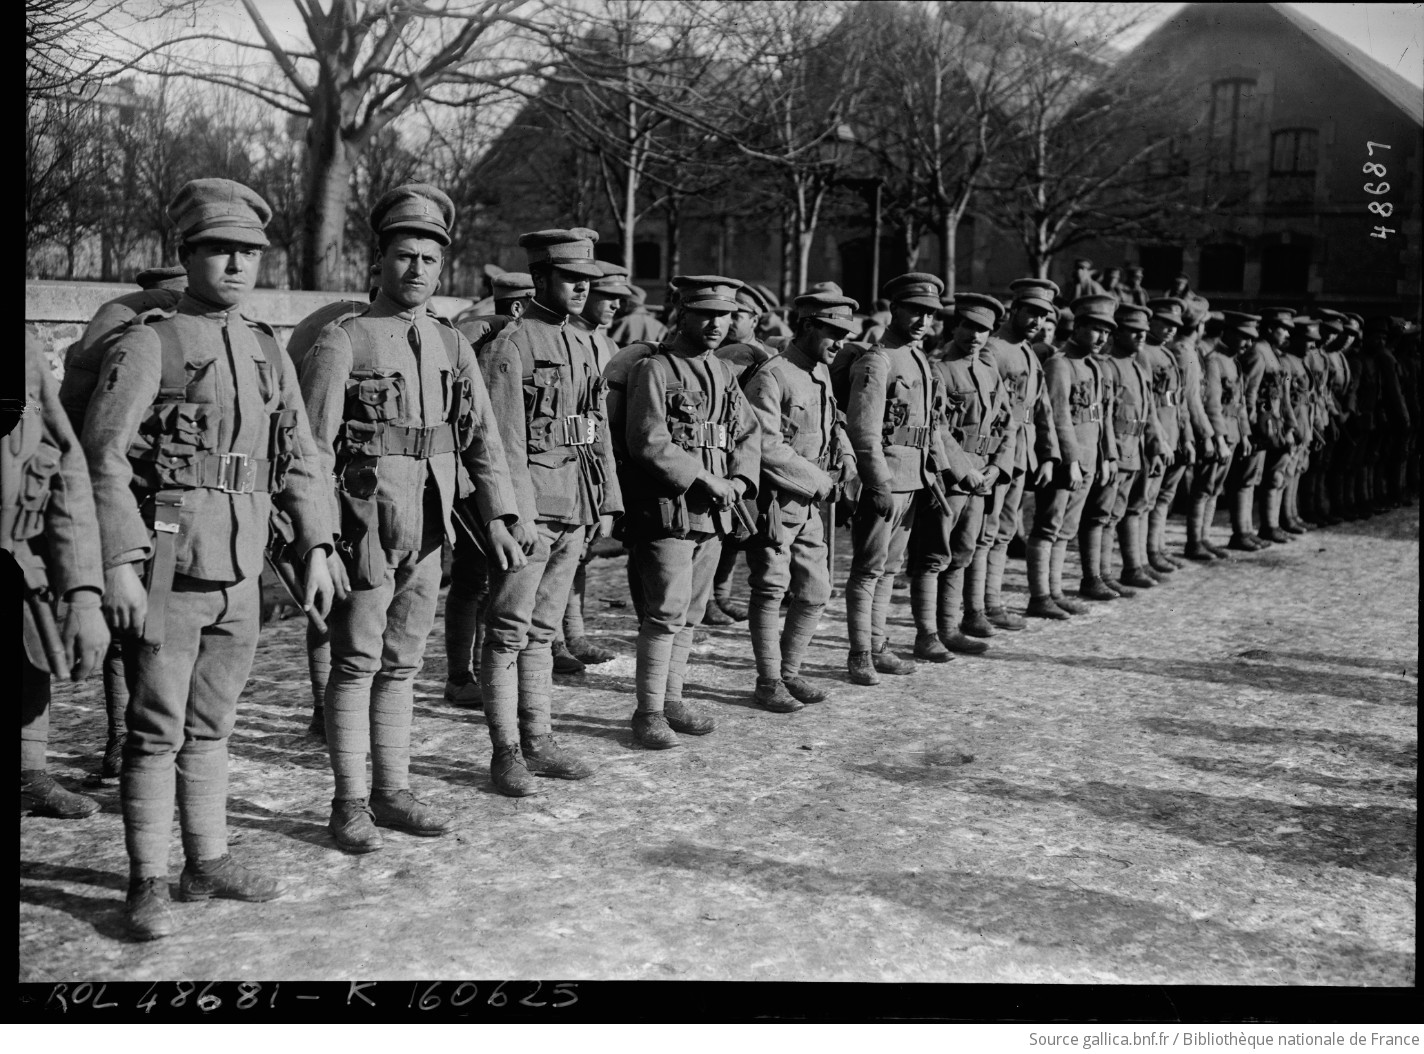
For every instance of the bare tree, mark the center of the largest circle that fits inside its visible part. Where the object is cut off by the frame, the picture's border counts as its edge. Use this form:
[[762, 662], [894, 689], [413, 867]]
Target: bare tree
[[1084, 134], [364, 64]]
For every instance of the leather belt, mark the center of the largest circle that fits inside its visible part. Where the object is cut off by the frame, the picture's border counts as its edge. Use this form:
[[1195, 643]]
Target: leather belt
[[982, 443], [405, 441], [917, 436], [1088, 414], [229, 473], [1129, 426]]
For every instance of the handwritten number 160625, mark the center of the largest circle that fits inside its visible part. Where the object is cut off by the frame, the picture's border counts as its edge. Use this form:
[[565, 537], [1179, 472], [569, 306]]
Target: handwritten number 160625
[[1383, 209]]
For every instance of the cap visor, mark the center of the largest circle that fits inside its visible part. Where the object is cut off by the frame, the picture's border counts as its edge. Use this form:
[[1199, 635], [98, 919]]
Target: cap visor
[[712, 305], [845, 325], [238, 235], [612, 289], [429, 230], [582, 268], [921, 301]]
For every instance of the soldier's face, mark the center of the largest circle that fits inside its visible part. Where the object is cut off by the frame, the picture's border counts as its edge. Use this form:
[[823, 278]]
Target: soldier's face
[[742, 327], [824, 343], [222, 273], [1092, 336], [1162, 329], [970, 337], [565, 292], [911, 320], [1232, 341], [410, 269], [600, 308], [1277, 334], [1127, 341], [704, 329], [1030, 322]]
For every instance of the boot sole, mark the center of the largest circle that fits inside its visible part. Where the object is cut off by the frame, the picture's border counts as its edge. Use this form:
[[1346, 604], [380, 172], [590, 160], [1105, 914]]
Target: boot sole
[[555, 775], [188, 897], [148, 935]]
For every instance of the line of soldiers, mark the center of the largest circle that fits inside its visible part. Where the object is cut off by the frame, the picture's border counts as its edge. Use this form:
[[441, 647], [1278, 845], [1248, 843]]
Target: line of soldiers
[[383, 433]]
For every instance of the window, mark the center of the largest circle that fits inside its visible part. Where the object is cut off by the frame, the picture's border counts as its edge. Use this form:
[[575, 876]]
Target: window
[[1223, 268], [647, 262], [1232, 120], [1160, 264], [1285, 267], [1169, 159], [1293, 154]]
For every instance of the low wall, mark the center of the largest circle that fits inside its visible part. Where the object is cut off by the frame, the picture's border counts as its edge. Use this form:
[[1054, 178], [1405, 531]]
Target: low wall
[[61, 310]]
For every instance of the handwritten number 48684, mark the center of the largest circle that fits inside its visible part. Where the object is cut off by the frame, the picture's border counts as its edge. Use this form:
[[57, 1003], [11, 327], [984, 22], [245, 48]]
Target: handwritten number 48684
[[1383, 209]]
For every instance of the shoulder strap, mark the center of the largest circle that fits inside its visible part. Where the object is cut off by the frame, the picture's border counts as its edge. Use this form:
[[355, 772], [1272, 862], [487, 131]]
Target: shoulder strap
[[173, 385], [451, 338]]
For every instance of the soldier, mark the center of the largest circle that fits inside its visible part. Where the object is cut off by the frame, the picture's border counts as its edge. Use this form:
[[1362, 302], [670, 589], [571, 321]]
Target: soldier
[[1224, 399], [573, 650], [512, 293], [1084, 283], [1132, 291], [805, 458], [1034, 442], [637, 326], [196, 432], [745, 353], [469, 571], [1140, 452], [1277, 323], [1335, 457], [876, 322], [548, 401], [1198, 447], [303, 336], [402, 420], [1261, 391], [47, 524], [159, 287], [1076, 394], [1304, 335], [890, 421], [1164, 367], [691, 452], [974, 411]]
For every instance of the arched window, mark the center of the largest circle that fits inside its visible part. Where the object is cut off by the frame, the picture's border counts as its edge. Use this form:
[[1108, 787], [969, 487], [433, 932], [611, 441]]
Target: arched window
[[1293, 158]]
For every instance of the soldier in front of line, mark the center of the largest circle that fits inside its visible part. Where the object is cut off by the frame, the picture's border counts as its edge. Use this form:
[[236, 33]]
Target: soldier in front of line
[[48, 526], [1077, 395], [1259, 368], [1280, 449], [973, 411], [402, 420], [746, 353], [548, 399], [1034, 442], [1304, 335], [691, 450], [899, 452], [1164, 367], [806, 458], [195, 433], [573, 650], [1225, 399], [158, 287], [1140, 452]]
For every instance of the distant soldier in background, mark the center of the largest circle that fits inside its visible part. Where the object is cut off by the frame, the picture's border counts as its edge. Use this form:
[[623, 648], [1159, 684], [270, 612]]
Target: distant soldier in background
[[1198, 447], [48, 525], [636, 325], [159, 287], [1225, 402], [1304, 336], [512, 292], [1084, 283], [1131, 290]]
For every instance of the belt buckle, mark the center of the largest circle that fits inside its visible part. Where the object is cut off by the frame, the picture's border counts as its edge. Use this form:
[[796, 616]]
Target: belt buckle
[[238, 474], [579, 430]]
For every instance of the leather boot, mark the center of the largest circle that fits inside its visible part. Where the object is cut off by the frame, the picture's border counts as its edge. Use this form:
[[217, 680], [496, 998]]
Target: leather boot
[[544, 756], [1195, 549], [1040, 605], [735, 610], [1090, 553], [886, 661], [651, 730], [113, 764], [353, 825], [688, 718], [588, 653], [772, 695], [1134, 575], [713, 615], [565, 661], [510, 772], [401, 810], [226, 878], [148, 912], [924, 595], [1208, 520], [977, 624], [40, 795], [929, 648], [1105, 567], [1057, 556], [1272, 532], [951, 595], [861, 669], [803, 690]]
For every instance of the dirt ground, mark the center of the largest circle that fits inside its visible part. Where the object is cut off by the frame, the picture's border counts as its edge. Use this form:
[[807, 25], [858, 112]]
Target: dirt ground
[[1213, 783]]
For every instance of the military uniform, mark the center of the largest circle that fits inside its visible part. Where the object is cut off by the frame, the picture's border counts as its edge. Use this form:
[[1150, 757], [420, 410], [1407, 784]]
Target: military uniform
[[48, 525], [805, 457], [195, 433], [469, 571], [1078, 397], [1280, 448], [1302, 397], [403, 421], [638, 326], [973, 413], [549, 403], [1168, 398], [1140, 452], [1224, 398], [685, 422], [890, 419], [1261, 392], [1334, 457], [1198, 448], [159, 288], [1034, 442]]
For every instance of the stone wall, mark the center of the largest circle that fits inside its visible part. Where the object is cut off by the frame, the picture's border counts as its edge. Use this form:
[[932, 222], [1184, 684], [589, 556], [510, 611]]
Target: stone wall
[[61, 310]]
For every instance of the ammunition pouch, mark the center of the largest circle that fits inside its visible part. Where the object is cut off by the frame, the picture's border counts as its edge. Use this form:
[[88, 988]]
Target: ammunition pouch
[[26, 518]]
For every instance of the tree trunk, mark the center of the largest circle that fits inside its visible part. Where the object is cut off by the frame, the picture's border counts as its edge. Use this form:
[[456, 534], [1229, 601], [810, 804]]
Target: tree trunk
[[330, 163], [788, 254], [948, 248], [674, 234]]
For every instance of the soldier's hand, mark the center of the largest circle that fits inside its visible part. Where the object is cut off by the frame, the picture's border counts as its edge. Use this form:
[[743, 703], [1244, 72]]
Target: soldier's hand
[[317, 587], [973, 481], [1223, 448], [1109, 471], [125, 604], [1075, 475], [1044, 475], [1159, 466], [507, 548], [1246, 448], [881, 500], [722, 491], [85, 635], [340, 581], [991, 478]]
